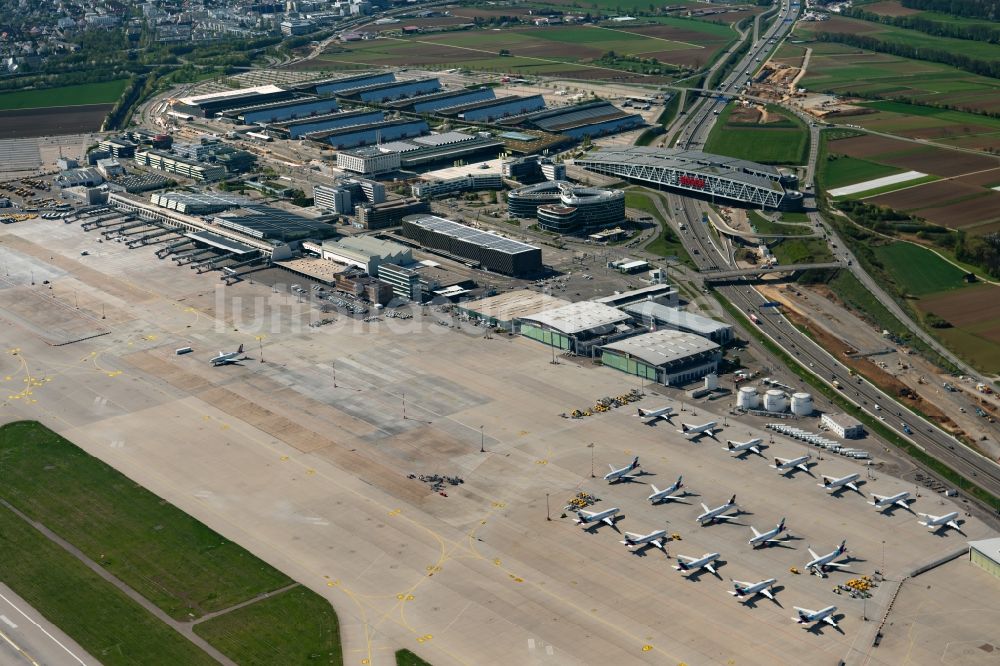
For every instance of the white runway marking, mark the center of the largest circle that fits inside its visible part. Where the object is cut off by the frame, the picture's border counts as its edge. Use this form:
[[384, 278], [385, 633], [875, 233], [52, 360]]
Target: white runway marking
[[6, 620]]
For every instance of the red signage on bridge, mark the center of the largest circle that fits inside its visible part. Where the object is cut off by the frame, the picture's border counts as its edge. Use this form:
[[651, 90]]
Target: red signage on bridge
[[691, 181]]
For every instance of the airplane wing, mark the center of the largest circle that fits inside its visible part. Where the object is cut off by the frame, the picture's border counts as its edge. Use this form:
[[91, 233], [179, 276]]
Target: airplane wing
[[902, 503], [609, 520], [767, 593], [836, 564], [724, 517], [755, 450], [779, 540], [954, 525], [754, 530], [812, 554], [710, 567], [612, 467], [803, 466], [852, 487], [705, 508], [830, 621], [658, 543]]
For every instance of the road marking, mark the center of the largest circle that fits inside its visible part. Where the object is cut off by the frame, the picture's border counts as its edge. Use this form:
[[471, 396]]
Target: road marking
[[40, 627], [549, 651], [6, 620], [531, 643]]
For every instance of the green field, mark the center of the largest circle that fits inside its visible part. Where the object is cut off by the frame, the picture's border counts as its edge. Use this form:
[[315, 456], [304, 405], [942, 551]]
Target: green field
[[407, 658], [840, 170], [918, 271], [106, 92], [762, 225], [802, 251], [782, 143], [308, 633], [667, 244], [105, 622], [166, 555]]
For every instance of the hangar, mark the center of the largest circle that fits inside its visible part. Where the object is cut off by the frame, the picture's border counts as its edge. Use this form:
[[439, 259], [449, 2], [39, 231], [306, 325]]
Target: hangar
[[505, 310], [986, 555], [666, 357], [579, 328], [654, 314]]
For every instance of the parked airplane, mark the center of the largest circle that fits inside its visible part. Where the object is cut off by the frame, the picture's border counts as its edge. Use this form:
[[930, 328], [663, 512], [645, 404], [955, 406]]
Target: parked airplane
[[667, 493], [806, 616], [623, 473], [711, 515], [787, 465], [653, 538], [767, 538], [654, 415], [819, 564], [934, 523], [696, 431], [836, 485], [742, 448], [883, 502], [748, 591], [225, 358], [693, 564], [596, 517]]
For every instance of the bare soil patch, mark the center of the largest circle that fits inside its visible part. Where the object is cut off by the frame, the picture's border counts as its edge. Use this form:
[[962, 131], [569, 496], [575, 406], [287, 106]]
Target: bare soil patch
[[966, 307], [931, 194], [966, 214], [24, 123], [867, 146], [891, 8]]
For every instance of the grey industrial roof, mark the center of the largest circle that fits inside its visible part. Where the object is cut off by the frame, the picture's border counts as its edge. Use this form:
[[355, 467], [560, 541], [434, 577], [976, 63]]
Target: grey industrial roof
[[552, 119], [221, 242], [199, 199], [487, 239], [578, 317], [443, 139], [751, 173], [483, 104], [513, 304], [368, 245], [988, 547], [676, 317], [663, 347]]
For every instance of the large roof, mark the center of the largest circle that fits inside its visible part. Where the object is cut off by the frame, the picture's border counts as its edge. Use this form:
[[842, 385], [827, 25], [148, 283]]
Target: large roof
[[487, 239], [988, 547], [578, 317], [663, 347], [751, 173], [369, 245], [676, 317], [513, 304]]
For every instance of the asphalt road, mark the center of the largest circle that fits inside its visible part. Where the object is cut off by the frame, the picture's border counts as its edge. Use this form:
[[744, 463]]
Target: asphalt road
[[26, 637]]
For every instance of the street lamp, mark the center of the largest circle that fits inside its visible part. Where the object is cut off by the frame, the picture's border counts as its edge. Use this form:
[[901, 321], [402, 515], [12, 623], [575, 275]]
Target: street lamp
[[260, 345], [482, 439], [591, 447]]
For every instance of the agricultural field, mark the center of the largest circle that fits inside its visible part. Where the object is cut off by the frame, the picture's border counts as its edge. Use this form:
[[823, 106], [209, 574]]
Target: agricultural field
[[895, 8], [846, 70], [840, 170], [771, 136], [917, 271], [106, 92], [572, 51], [53, 111], [958, 128], [974, 315]]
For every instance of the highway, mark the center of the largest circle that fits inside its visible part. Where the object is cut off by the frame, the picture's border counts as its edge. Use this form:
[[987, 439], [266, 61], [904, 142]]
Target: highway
[[708, 256]]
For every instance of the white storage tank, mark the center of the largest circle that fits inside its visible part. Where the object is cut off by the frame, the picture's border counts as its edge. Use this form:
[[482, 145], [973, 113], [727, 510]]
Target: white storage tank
[[747, 398], [802, 404], [774, 401]]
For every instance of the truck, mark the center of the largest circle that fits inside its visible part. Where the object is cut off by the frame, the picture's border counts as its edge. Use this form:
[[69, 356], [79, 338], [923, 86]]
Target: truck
[[837, 385]]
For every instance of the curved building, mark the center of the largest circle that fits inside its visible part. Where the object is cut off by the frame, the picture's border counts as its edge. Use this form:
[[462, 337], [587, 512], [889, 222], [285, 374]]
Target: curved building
[[565, 208]]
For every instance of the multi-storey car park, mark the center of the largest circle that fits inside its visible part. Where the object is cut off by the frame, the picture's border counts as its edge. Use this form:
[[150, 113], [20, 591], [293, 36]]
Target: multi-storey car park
[[692, 172], [563, 207]]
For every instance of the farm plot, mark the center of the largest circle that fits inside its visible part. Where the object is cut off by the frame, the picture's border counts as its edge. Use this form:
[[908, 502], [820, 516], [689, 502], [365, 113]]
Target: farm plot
[[976, 216], [908, 155], [88, 93], [26, 123], [932, 194], [974, 315], [919, 271], [772, 137]]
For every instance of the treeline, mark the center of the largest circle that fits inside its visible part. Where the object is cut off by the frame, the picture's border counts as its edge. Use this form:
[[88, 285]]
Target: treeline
[[982, 251], [982, 9], [978, 33], [990, 68]]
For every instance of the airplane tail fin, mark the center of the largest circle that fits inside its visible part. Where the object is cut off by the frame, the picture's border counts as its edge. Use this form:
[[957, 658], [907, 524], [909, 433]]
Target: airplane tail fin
[[781, 525], [681, 565], [680, 481], [642, 412], [635, 462], [684, 427], [240, 350], [729, 444], [732, 500], [843, 546]]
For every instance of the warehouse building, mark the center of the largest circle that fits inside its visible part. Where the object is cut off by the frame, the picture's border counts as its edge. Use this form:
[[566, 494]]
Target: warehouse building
[[656, 315], [367, 135], [188, 168], [332, 86], [86, 177], [298, 128], [505, 310], [666, 357], [443, 147], [368, 161], [268, 223], [211, 108], [262, 114], [489, 111], [985, 554], [844, 426], [380, 93], [592, 119], [366, 252], [564, 208], [663, 294], [441, 100], [389, 213], [198, 203], [579, 328], [487, 249], [692, 172]]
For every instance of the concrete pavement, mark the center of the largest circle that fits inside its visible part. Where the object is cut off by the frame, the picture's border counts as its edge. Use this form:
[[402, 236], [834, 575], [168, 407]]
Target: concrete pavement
[[27, 637]]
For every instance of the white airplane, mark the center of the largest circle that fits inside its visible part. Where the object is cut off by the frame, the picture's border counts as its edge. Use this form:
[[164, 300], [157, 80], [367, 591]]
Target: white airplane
[[806, 616], [653, 538], [667, 493], [623, 473], [742, 448], [696, 431], [711, 515], [787, 465], [694, 564], [596, 517], [654, 415], [836, 485], [883, 502], [934, 523], [819, 564], [225, 358], [745, 592], [767, 538]]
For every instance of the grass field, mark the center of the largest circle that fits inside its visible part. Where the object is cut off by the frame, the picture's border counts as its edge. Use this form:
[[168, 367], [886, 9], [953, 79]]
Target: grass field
[[840, 170], [105, 622], [802, 251], [667, 244], [166, 555], [918, 271], [765, 226], [106, 92], [407, 658], [308, 634], [786, 143]]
